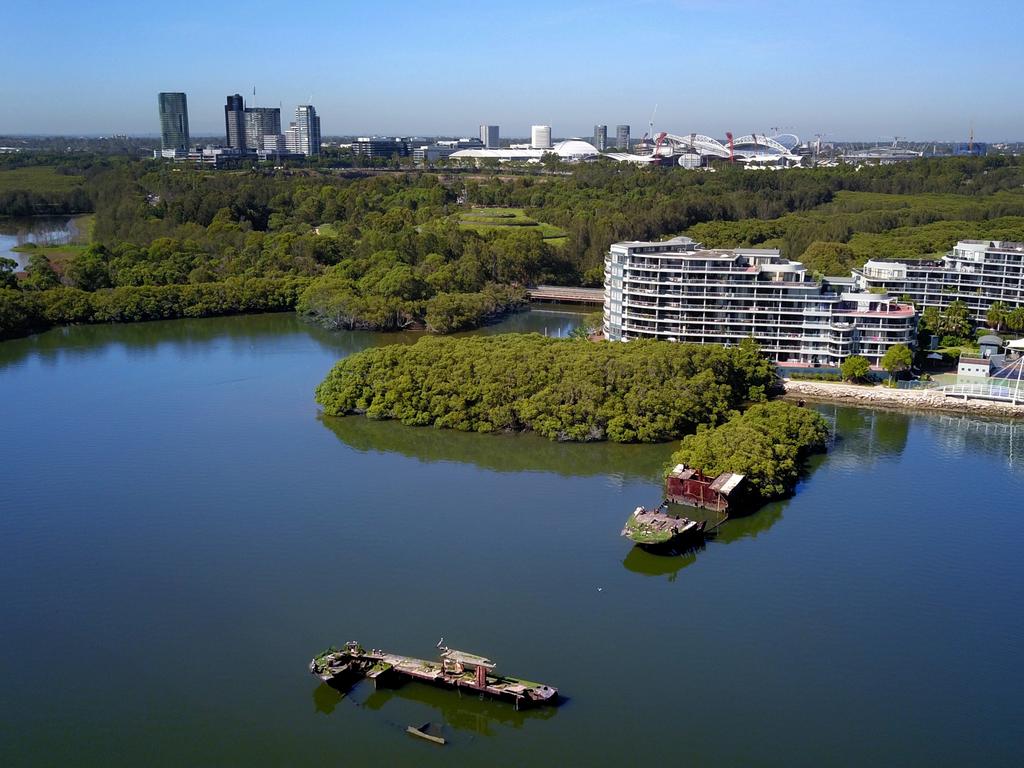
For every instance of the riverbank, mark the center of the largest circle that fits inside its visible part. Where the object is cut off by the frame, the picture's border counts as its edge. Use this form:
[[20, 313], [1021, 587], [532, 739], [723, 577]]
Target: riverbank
[[884, 397]]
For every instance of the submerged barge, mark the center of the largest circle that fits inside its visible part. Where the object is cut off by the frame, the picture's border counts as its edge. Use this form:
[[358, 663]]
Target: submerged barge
[[454, 669], [655, 529]]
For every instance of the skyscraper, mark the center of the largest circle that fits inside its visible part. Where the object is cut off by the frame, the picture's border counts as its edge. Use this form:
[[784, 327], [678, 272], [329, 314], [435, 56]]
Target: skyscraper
[[260, 122], [234, 121], [622, 136], [489, 136], [540, 136], [307, 131], [173, 121], [601, 137]]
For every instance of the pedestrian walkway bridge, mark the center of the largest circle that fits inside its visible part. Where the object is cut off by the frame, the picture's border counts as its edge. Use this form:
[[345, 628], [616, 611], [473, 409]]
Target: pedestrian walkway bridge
[[566, 294], [1001, 391]]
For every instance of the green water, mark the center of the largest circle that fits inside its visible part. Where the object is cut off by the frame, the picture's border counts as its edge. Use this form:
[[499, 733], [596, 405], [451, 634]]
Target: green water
[[180, 531]]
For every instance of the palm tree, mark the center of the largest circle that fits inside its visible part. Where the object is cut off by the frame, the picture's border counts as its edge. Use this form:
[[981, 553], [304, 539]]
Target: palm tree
[[996, 316]]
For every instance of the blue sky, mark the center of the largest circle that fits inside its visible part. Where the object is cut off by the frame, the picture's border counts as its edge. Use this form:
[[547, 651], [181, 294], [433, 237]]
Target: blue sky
[[864, 70]]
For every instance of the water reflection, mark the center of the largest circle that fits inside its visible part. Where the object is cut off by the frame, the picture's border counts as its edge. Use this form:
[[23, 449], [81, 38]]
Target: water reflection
[[242, 332], [865, 436], [955, 435], [502, 453], [456, 709], [326, 698], [639, 560], [44, 230], [461, 711]]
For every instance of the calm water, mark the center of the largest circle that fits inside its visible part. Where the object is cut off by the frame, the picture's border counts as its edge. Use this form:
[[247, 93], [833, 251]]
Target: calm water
[[180, 531], [45, 230]]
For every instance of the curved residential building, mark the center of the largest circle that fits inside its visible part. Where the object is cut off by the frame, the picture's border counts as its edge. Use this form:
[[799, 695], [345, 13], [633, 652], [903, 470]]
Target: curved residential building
[[679, 291]]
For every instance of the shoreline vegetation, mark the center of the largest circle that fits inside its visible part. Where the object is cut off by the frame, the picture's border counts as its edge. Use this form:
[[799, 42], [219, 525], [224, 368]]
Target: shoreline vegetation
[[562, 389], [768, 444], [448, 251], [26, 312]]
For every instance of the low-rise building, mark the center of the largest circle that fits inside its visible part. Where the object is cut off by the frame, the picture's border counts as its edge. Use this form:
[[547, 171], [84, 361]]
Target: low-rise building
[[678, 290], [977, 272], [382, 148]]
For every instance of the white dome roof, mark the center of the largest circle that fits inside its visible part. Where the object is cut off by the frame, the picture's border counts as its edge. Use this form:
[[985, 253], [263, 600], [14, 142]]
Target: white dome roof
[[575, 148]]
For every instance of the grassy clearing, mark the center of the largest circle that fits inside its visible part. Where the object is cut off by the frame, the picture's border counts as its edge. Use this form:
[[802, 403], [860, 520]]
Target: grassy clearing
[[40, 179], [484, 220]]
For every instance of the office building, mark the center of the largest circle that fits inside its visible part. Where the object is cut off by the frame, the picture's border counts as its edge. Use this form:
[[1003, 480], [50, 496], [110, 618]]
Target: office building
[[234, 121], [306, 136], [679, 291], [430, 153], [275, 142], [173, 121], [381, 148], [540, 137], [601, 137], [489, 137], [260, 122], [977, 272], [622, 137]]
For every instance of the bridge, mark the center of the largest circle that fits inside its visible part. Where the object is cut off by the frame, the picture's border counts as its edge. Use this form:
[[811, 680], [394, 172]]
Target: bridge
[[565, 294], [1005, 392]]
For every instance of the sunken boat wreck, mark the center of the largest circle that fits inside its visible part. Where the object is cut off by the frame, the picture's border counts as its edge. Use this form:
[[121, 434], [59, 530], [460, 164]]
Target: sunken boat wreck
[[656, 530], [725, 493], [454, 669]]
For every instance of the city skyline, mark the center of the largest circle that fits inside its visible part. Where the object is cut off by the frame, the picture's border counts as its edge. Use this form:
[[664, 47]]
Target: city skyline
[[865, 73]]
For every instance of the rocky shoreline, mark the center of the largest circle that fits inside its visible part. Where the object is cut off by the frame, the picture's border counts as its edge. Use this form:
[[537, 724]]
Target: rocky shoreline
[[884, 397]]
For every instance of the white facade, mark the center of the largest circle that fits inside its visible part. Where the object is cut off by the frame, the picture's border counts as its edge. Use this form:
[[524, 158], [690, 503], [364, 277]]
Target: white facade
[[489, 136], [679, 291], [976, 272], [570, 151], [540, 136], [307, 131]]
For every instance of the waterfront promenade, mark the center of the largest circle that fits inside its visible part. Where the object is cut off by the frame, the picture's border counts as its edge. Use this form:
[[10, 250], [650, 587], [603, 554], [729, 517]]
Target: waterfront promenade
[[879, 395]]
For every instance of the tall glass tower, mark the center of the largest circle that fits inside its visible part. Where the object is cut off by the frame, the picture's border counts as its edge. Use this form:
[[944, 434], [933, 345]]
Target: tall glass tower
[[307, 130], [234, 121], [173, 121]]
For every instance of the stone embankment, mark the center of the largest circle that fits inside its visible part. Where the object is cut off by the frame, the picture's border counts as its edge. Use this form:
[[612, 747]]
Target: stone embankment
[[884, 397]]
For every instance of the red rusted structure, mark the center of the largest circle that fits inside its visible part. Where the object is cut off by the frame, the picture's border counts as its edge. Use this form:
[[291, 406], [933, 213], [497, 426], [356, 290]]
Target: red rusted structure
[[685, 485]]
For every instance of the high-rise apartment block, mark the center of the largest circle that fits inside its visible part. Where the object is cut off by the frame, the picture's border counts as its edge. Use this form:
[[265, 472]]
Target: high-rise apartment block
[[173, 122], [260, 122], [489, 137], [622, 136], [679, 291], [234, 121], [601, 137], [304, 133], [978, 273], [540, 137]]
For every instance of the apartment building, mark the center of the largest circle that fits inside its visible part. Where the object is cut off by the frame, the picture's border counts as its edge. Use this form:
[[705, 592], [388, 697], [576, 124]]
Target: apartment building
[[976, 272], [679, 291]]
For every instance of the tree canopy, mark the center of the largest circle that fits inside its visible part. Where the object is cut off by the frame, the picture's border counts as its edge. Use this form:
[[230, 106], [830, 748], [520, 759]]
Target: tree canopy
[[767, 443], [564, 389]]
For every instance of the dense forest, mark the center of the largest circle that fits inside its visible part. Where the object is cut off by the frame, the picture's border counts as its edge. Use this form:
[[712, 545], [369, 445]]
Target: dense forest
[[563, 389], [767, 443], [396, 250]]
